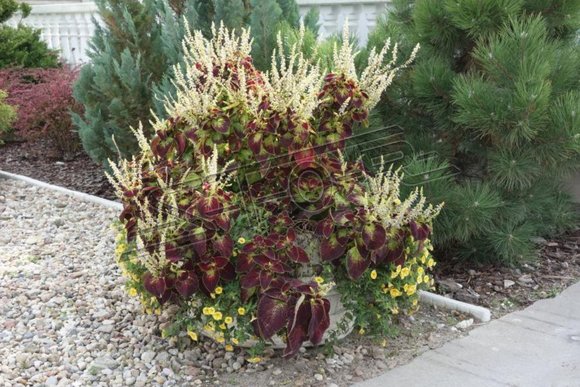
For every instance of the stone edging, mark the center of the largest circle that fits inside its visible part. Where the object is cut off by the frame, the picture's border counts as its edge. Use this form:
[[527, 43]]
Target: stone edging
[[478, 312]]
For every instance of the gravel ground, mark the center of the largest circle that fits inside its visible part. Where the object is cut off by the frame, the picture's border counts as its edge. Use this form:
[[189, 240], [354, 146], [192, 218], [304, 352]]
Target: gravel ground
[[66, 320]]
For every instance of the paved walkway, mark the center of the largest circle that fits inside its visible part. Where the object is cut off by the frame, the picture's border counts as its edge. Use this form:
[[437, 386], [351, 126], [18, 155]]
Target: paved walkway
[[538, 346]]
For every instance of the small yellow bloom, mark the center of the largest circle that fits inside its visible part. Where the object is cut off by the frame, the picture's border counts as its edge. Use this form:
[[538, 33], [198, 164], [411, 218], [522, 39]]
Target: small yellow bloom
[[241, 311], [396, 272], [241, 240], [220, 339], [430, 262], [209, 328], [157, 311], [411, 289], [420, 271], [148, 311], [235, 341], [192, 335], [319, 280], [132, 292], [206, 311], [395, 310], [384, 343], [223, 326], [219, 290], [405, 272], [211, 310], [361, 331], [415, 302], [217, 316], [426, 279], [374, 274], [423, 259], [229, 348], [395, 292], [254, 360], [235, 253], [420, 279], [228, 320], [212, 295]]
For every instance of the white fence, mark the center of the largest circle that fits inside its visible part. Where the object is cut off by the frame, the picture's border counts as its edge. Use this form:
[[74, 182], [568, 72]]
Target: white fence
[[69, 27]]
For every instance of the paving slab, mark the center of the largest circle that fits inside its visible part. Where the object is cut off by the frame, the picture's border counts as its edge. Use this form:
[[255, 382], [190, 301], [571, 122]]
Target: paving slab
[[538, 346]]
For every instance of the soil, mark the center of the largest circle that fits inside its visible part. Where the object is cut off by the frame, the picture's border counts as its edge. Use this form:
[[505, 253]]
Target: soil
[[36, 160]]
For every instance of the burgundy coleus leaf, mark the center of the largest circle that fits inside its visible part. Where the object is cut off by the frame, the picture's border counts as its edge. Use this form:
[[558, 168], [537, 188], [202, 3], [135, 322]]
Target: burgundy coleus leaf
[[420, 232], [209, 277], [356, 264], [186, 284], [172, 252], [304, 158], [199, 241], [374, 235], [251, 279], [298, 255], [255, 142], [272, 314], [320, 320], [325, 227], [244, 263], [265, 279], [297, 327], [224, 245], [221, 124], [331, 249], [209, 208], [223, 221], [181, 142], [155, 285]]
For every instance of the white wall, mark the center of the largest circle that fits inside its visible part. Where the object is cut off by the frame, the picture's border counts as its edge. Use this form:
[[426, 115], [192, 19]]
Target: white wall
[[68, 26]]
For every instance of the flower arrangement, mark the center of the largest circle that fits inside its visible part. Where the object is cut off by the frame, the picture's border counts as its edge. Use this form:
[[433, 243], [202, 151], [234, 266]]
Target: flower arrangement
[[243, 213]]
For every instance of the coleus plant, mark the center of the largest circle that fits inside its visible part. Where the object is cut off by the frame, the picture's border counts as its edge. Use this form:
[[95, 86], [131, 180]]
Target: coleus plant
[[279, 139]]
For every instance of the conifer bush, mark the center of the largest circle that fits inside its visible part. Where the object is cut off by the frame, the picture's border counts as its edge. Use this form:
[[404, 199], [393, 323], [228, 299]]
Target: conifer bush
[[133, 51], [240, 215], [21, 46], [490, 111]]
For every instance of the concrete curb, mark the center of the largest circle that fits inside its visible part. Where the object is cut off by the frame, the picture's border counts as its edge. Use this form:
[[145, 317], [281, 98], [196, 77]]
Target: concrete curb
[[79, 195], [479, 312]]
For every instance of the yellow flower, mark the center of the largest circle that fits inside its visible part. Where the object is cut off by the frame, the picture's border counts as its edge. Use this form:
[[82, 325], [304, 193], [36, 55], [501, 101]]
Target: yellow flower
[[192, 335], [148, 311], [219, 290], [405, 272], [319, 280], [209, 328], [420, 271], [211, 310], [206, 311], [384, 343], [132, 292], [217, 316], [157, 311], [415, 302], [430, 262], [220, 339], [395, 310], [420, 279], [395, 292], [423, 259], [212, 295], [254, 360], [361, 331], [120, 249], [235, 341], [223, 326], [374, 274], [396, 272], [411, 289], [241, 311], [241, 240], [426, 279], [235, 253], [229, 320], [229, 348]]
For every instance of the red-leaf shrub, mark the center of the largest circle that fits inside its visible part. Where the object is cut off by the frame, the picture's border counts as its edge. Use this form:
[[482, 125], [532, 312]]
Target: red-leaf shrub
[[44, 100]]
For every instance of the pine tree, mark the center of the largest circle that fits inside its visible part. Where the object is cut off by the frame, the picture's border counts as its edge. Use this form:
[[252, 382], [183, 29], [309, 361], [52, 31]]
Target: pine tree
[[489, 110]]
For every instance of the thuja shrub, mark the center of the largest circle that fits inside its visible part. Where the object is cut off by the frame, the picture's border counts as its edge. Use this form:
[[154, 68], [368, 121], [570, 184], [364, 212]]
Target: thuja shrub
[[7, 115], [242, 218], [45, 102]]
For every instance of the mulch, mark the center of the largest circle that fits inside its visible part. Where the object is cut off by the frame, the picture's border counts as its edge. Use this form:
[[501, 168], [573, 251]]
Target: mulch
[[36, 160], [502, 289]]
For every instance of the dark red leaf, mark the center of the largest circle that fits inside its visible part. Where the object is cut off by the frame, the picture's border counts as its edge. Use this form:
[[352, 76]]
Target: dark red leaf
[[297, 254], [374, 236], [331, 249], [153, 285], [187, 284], [356, 264], [224, 245], [250, 280], [272, 316], [320, 320]]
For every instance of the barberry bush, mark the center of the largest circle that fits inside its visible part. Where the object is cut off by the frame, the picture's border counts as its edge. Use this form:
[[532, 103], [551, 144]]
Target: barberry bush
[[242, 214], [44, 100]]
